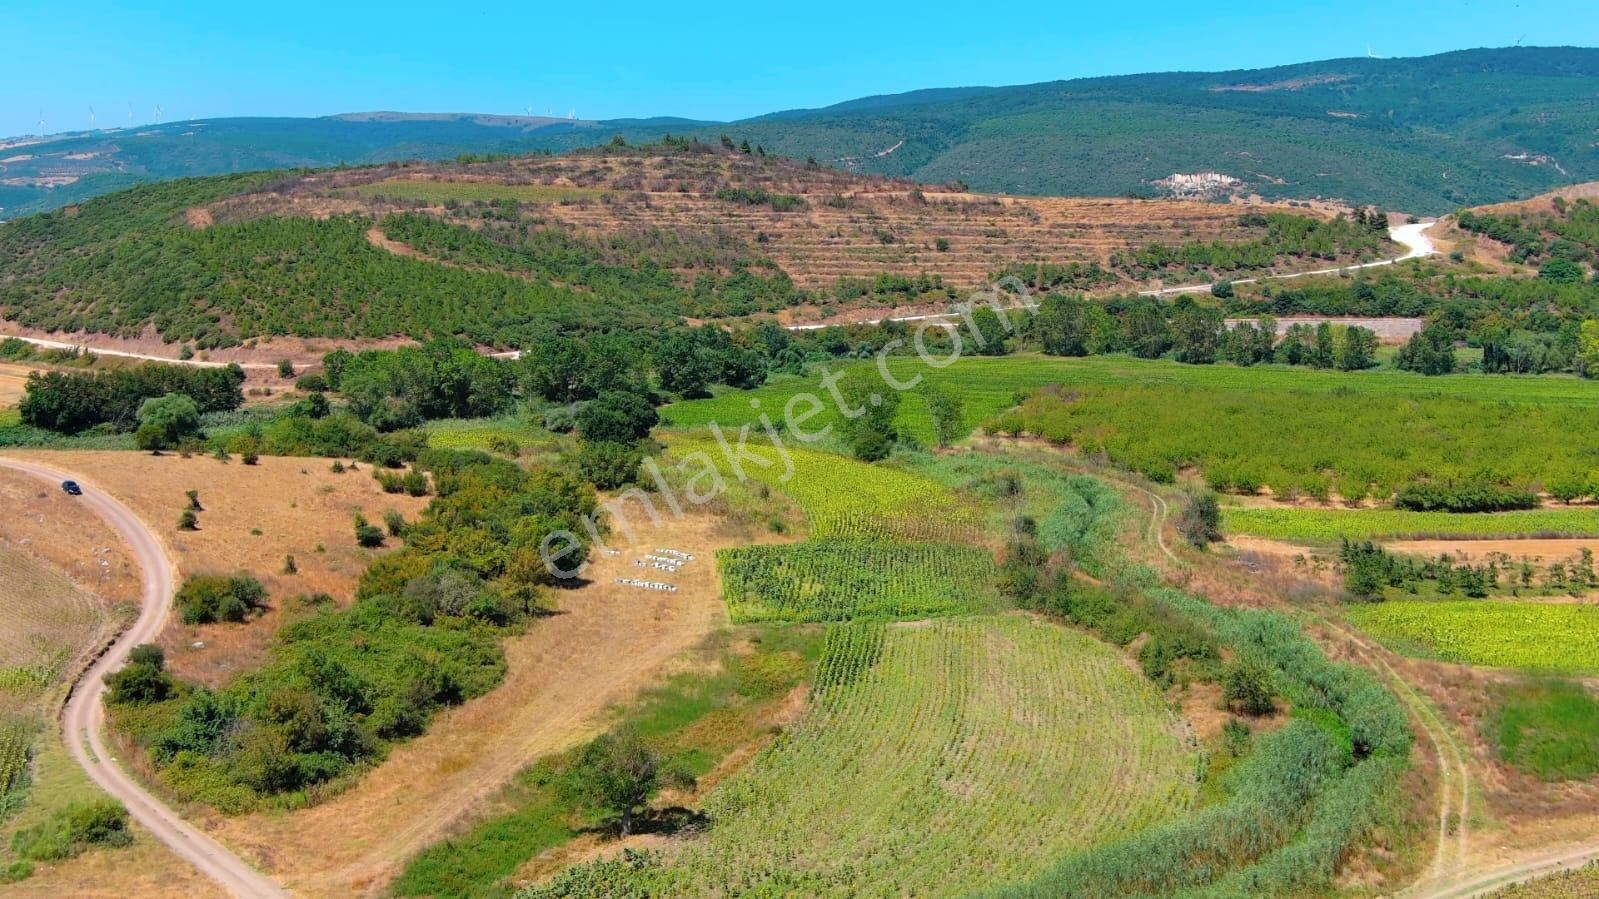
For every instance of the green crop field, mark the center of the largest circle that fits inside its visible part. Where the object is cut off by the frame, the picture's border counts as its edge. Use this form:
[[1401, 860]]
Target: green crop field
[[1327, 526], [846, 499], [940, 760], [989, 386], [1312, 442], [471, 191], [1530, 636], [840, 580]]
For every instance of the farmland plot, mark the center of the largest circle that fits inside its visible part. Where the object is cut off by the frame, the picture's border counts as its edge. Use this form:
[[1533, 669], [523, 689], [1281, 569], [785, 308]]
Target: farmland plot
[[843, 498], [840, 580], [1531, 636], [45, 621], [1326, 526], [939, 760]]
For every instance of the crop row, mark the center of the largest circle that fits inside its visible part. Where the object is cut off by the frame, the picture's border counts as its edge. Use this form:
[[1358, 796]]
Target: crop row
[[1531, 636], [972, 753], [1327, 526], [16, 738], [841, 580]]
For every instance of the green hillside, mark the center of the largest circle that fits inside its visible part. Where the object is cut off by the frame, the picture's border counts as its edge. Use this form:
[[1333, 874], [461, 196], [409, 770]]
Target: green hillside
[[1425, 135]]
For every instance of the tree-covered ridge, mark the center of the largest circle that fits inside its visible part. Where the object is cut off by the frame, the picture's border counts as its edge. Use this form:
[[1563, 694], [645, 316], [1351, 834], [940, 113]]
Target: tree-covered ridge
[[1563, 240], [282, 276], [214, 262], [1286, 235], [1411, 134]]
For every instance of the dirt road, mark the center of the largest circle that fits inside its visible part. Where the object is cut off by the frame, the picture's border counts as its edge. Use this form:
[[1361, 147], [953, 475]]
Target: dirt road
[[83, 718], [1413, 237]]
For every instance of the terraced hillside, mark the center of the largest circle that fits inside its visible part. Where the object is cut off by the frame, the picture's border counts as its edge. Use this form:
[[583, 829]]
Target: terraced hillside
[[504, 249], [820, 225]]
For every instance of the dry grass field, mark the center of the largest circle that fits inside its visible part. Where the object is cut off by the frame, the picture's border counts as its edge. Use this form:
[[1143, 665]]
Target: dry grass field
[[65, 578], [604, 643], [253, 517]]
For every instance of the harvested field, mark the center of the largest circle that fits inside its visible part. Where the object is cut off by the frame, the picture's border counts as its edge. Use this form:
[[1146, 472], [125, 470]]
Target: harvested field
[[253, 517], [13, 382], [1390, 331], [604, 644]]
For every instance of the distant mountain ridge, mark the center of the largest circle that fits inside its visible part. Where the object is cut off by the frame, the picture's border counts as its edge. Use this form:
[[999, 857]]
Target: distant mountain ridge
[[1423, 135]]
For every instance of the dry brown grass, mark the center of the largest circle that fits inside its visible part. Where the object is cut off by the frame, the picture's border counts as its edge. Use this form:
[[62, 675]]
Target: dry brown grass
[[13, 383], [604, 644], [146, 870], [295, 504]]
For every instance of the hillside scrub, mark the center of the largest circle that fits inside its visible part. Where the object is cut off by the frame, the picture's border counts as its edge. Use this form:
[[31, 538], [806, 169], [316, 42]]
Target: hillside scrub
[[205, 599], [340, 686]]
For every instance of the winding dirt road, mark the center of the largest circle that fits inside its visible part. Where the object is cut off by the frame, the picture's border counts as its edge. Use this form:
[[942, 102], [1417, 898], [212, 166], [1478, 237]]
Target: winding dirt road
[[83, 718], [1412, 237], [1451, 875]]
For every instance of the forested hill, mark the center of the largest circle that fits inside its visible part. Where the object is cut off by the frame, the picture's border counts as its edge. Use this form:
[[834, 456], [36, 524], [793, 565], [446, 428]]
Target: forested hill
[[1425, 135]]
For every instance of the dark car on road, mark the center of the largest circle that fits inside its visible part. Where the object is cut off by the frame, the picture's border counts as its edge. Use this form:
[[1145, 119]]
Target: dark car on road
[[71, 488]]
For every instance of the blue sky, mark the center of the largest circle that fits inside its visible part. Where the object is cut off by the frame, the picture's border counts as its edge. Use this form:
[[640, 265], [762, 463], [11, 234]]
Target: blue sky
[[703, 59]]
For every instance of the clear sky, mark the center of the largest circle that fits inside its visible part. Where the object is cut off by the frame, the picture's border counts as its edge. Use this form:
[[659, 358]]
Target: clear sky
[[707, 59]]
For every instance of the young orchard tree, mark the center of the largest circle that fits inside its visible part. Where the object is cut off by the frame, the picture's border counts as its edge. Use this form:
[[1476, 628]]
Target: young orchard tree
[[872, 434], [945, 409]]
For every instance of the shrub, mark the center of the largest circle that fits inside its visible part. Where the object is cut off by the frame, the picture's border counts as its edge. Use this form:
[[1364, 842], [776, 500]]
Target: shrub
[[67, 833], [1200, 522], [204, 599], [194, 500], [505, 445], [188, 521], [608, 465], [289, 565], [285, 368], [1247, 687], [143, 680], [1436, 496], [617, 416], [367, 534], [395, 522]]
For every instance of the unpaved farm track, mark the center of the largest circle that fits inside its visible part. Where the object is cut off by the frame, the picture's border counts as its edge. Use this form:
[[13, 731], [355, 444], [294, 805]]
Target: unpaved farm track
[[1446, 877], [1450, 876], [83, 718]]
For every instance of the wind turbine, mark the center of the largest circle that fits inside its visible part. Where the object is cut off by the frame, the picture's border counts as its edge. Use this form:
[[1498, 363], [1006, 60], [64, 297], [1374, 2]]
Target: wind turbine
[[41, 121], [91, 115], [158, 113]]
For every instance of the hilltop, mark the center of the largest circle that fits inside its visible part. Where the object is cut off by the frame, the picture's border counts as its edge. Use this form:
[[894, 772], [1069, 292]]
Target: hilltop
[[1425, 135], [600, 239]]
